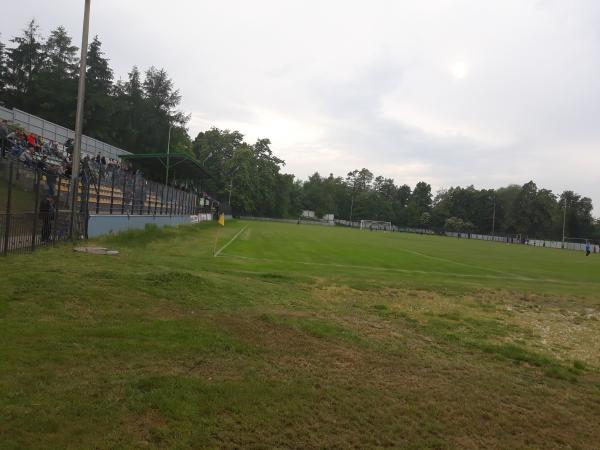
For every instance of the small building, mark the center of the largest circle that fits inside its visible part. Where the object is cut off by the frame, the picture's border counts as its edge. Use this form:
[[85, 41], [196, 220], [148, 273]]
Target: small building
[[309, 214], [328, 217]]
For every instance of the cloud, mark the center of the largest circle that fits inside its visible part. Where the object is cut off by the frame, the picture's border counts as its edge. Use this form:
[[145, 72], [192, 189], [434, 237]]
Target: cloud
[[448, 91]]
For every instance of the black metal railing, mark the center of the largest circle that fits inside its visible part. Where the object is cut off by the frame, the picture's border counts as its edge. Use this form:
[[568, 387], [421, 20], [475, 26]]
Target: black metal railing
[[117, 191], [37, 209]]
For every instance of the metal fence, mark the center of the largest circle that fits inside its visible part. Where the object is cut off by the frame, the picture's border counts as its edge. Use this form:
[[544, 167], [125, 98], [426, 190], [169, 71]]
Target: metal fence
[[37, 210], [114, 191], [29, 216], [57, 133]]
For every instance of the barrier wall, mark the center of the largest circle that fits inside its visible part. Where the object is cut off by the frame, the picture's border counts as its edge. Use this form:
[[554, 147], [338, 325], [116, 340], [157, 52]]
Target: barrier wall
[[105, 224]]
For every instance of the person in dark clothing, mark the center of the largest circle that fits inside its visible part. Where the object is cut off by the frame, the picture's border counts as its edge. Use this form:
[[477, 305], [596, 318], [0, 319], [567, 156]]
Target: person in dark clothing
[[69, 145], [47, 216], [3, 137], [51, 175]]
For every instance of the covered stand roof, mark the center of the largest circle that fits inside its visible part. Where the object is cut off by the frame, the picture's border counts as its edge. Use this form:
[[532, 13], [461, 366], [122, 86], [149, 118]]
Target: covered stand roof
[[181, 166]]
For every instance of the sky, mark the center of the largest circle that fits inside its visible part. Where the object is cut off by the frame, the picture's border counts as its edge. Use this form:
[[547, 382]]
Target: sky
[[451, 92]]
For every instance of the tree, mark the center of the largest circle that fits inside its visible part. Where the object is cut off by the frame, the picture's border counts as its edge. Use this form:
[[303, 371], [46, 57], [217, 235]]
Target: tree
[[58, 78], [23, 63], [162, 100], [579, 221], [98, 90], [534, 210]]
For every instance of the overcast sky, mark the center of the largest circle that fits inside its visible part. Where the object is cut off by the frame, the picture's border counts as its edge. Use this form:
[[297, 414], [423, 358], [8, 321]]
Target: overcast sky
[[450, 92]]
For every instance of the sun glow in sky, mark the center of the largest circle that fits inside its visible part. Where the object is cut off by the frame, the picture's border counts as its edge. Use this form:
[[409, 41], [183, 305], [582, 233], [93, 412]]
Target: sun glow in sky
[[459, 70]]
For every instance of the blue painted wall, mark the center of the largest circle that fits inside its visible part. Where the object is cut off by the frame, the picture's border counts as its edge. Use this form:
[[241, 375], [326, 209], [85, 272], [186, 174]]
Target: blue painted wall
[[106, 224]]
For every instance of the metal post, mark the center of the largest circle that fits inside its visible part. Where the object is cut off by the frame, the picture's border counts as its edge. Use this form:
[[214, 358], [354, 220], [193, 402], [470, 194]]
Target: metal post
[[141, 198], [133, 194], [168, 155], [75, 188], [98, 183], [112, 192], [80, 100], [155, 197], [57, 209], [36, 200], [564, 222], [86, 213], [162, 199], [8, 208], [123, 193]]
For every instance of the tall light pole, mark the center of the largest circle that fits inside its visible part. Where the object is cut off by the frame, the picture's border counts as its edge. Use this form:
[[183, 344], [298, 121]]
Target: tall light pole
[[168, 155], [80, 101], [564, 222]]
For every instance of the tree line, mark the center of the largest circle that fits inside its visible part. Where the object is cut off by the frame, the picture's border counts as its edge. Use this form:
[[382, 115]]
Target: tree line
[[39, 75]]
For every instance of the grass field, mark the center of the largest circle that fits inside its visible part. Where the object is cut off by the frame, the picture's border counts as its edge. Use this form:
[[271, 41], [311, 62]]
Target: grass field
[[299, 336]]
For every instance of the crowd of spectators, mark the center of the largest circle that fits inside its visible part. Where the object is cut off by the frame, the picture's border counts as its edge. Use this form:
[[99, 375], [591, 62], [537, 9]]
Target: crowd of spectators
[[54, 159]]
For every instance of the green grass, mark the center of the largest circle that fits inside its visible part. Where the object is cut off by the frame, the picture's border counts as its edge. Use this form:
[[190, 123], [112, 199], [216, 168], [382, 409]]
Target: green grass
[[299, 337]]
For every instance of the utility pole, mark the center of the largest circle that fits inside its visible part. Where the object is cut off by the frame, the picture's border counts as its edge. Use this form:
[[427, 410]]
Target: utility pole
[[80, 101], [168, 155], [231, 185], [564, 222]]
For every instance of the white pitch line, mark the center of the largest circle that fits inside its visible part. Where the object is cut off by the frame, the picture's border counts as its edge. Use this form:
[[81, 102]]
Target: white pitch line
[[232, 239], [419, 272], [512, 275]]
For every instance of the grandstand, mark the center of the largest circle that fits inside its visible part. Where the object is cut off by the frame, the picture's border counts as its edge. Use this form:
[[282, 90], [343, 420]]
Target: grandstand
[[35, 167]]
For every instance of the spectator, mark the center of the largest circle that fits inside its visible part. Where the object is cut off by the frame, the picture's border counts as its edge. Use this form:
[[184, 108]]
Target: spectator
[[46, 214], [69, 146], [26, 157], [51, 175], [31, 140], [3, 136]]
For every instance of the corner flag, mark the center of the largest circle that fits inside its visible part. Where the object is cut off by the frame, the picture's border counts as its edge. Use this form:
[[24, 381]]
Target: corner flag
[[222, 219]]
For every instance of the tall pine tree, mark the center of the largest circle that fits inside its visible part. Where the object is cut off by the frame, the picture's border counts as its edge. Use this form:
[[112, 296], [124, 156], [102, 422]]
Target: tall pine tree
[[58, 78], [98, 101], [24, 61]]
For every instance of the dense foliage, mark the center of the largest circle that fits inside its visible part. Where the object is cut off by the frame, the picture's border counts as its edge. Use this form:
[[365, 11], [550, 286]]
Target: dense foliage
[[40, 76]]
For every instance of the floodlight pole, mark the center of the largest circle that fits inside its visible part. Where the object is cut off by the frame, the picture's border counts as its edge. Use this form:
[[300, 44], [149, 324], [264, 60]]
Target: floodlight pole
[[168, 156], [80, 101]]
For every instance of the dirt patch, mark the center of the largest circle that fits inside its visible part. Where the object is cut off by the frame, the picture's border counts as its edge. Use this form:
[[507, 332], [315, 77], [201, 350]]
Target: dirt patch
[[146, 427]]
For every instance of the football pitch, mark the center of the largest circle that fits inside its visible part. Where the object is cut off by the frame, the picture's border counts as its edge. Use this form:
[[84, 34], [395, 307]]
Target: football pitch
[[299, 336]]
